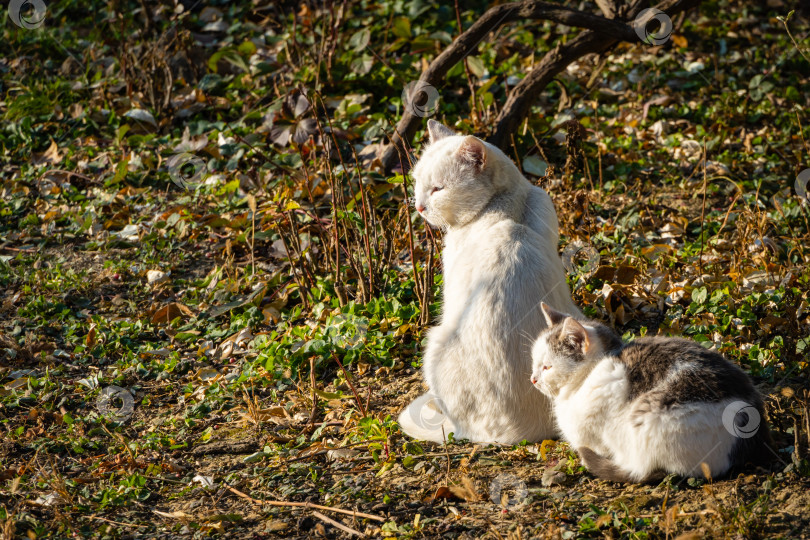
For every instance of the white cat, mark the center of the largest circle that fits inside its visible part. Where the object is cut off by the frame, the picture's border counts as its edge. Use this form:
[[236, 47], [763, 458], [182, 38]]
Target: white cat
[[500, 261], [637, 411]]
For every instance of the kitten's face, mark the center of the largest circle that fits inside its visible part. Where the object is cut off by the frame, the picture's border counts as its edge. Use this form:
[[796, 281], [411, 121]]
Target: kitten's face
[[566, 347], [557, 355], [453, 178]]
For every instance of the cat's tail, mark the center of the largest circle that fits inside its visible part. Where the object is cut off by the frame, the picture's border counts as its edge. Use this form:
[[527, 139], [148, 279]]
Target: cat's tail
[[425, 420], [607, 470]]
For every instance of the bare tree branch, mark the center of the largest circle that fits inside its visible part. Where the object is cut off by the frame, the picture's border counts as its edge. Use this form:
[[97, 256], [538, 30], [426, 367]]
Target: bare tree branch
[[601, 33], [468, 41], [526, 91]]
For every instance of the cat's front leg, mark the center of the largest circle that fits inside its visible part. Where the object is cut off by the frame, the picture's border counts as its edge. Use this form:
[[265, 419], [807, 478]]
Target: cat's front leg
[[432, 357]]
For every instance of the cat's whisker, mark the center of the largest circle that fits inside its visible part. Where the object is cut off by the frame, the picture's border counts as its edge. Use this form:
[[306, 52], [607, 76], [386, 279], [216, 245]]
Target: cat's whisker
[[525, 334]]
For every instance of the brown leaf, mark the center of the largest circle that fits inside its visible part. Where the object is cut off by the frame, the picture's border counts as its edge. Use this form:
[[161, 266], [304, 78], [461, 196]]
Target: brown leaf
[[170, 312], [90, 340], [689, 536], [312, 450], [671, 515], [626, 275], [605, 273], [177, 514], [655, 251], [544, 448], [621, 316], [679, 40], [461, 493], [271, 315], [48, 157], [770, 323]]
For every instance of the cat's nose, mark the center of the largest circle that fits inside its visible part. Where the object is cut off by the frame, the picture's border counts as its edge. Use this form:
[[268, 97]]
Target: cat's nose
[[534, 379], [420, 208]]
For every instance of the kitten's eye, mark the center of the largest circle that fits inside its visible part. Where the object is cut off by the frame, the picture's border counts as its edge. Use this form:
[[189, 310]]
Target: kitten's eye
[[546, 367], [435, 189]]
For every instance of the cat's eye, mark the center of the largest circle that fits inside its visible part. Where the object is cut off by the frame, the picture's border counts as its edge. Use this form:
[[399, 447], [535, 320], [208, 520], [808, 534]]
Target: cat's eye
[[435, 189], [546, 367]]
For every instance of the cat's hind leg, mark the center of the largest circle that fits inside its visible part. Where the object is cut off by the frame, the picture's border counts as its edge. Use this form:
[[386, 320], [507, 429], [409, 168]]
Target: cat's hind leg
[[605, 469]]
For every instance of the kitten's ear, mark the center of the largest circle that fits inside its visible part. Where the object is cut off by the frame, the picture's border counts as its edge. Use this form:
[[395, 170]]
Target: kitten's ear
[[474, 152], [437, 131], [576, 334], [552, 316]]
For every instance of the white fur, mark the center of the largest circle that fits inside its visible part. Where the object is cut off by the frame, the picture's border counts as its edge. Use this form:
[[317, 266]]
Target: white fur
[[592, 409], [500, 261]]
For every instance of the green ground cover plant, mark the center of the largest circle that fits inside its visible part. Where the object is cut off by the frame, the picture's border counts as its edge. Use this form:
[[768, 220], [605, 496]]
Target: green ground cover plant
[[213, 297]]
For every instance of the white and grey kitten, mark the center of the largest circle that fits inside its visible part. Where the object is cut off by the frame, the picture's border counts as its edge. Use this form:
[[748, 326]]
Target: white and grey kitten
[[637, 411], [499, 261]]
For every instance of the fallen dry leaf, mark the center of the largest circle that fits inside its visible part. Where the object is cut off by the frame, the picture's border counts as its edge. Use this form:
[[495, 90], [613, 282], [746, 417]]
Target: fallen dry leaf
[[170, 312]]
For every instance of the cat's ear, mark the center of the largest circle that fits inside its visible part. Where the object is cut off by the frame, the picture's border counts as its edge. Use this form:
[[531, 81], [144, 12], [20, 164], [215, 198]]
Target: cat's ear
[[552, 316], [437, 131], [576, 335], [474, 152]]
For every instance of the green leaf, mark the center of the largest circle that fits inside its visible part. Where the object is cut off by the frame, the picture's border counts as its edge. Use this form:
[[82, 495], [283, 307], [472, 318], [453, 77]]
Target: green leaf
[[385, 468], [402, 27], [359, 40], [247, 48], [120, 171], [119, 134], [534, 165], [442, 36], [332, 395], [173, 219], [230, 187], [255, 457], [485, 87], [231, 56], [476, 66], [362, 65]]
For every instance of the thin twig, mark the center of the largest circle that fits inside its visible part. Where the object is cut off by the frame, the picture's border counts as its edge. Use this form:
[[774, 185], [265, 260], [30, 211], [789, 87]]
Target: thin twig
[[326, 451], [314, 395], [368, 216], [339, 287], [467, 71], [115, 522], [703, 211], [67, 173], [682, 514], [787, 29], [349, 382], [447, 454], [427, 285], [416, 277], [305, 505], [252, 205], [338, 524], [19, 250]]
